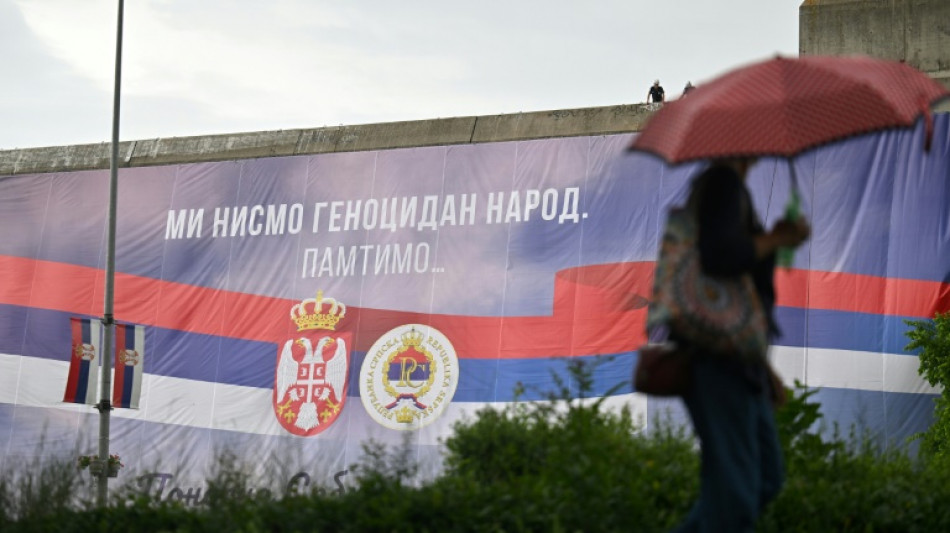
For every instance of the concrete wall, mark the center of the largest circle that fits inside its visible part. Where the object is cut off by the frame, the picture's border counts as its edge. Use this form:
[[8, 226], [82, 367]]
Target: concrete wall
[[446, 131], [915, 31]]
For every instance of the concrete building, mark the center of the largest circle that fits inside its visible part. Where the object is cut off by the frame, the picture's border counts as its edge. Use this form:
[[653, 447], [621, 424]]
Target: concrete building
[[914, 31], [446, 131]]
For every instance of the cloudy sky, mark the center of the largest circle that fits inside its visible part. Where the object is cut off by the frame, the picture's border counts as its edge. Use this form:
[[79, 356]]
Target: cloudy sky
[[224, 66]]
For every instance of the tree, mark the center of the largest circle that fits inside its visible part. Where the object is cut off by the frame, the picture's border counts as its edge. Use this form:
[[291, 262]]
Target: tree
[[932, 338]]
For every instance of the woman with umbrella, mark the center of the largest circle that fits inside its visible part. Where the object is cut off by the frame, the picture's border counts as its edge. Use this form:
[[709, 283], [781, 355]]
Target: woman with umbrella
[[777, 108], [730, 399]]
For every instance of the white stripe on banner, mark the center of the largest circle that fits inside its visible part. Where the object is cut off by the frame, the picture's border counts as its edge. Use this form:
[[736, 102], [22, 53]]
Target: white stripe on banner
[[203, 404], [95, 335], [847, 369], [10, 377]]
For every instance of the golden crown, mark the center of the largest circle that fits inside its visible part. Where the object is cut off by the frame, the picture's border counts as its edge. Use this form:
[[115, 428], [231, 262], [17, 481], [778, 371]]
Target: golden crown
[[317, 313], [405, 415], [412, 338]]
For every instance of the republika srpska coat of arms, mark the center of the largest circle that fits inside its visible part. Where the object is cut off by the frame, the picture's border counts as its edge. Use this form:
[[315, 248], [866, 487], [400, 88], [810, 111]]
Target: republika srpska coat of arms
[[409, 377], [312, 368]]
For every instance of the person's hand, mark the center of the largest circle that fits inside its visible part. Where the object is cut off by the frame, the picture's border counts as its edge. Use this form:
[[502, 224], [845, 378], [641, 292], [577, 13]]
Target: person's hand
[[791, 233]]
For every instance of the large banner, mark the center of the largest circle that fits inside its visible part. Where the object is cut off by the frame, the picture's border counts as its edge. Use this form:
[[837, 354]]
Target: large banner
[[298, 308]]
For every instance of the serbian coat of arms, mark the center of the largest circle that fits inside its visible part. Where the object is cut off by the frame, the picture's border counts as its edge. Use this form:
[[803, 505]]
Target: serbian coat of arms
[[310, 384]]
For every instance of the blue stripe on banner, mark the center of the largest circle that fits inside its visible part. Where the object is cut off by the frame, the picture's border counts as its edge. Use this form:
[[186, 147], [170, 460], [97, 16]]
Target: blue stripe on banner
[[128, 372], [252, 363], [82, 382], [127, 381], [129, 337], [13, 331], [842, 330], [84, 327], [184, 355], [878, 413], [212, 358], [874, 414], [484, 380]]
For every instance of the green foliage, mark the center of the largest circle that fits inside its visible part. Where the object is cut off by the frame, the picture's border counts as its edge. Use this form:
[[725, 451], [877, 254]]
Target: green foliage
[[863, 490], [561, 465], [932, 338], [41, 490], [571, 459], [835, 484], [796, 422]]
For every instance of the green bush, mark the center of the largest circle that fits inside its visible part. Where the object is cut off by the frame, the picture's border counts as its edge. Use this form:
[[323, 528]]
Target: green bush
[[564, 461], [863, 490], [564, 464], [932, 339], [41, 490]]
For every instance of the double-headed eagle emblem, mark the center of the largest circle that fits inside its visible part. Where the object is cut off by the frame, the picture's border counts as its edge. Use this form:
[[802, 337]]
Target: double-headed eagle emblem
[[312, 368]]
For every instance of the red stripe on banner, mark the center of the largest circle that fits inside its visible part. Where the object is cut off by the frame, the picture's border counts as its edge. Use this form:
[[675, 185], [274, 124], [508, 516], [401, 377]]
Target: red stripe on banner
[[858, 293], [597, 309], [72, 382], [589, 313], [118, 383]]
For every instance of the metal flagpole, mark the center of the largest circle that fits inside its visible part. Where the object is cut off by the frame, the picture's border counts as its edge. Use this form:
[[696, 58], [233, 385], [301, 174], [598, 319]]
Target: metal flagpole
[[105, 380]]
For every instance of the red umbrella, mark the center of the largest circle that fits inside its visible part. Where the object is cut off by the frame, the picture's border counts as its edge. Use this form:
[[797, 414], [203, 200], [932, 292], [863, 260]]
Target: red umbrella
[[784, 106]]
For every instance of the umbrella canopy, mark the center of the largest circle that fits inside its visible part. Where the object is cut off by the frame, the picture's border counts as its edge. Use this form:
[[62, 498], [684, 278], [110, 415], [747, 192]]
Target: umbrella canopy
[[784, 106]]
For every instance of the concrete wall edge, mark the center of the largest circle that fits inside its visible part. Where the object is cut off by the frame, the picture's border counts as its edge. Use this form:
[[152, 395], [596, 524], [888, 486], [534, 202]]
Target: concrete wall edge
[[592, 121]]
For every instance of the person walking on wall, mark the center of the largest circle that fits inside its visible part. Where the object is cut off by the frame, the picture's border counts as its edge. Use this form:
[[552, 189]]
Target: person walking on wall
[[730, 401], [689, 87], [656, 93]]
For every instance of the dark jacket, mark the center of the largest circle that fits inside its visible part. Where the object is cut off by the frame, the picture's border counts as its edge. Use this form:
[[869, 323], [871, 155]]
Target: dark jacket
[[727, 223]]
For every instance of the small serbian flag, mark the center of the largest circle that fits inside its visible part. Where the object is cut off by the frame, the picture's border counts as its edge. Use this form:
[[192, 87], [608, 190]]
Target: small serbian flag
[[129, 359], [83, 381]]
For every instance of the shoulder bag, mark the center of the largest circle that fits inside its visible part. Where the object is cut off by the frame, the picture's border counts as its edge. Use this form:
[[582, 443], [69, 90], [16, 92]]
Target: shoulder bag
[[718, 315]]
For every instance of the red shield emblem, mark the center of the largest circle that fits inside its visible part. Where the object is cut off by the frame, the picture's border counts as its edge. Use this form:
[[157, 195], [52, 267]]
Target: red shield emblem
[[310, 384]]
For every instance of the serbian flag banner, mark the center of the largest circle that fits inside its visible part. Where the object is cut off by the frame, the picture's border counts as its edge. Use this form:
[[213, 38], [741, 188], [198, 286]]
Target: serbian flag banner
[[83, 362], [129, 359]]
